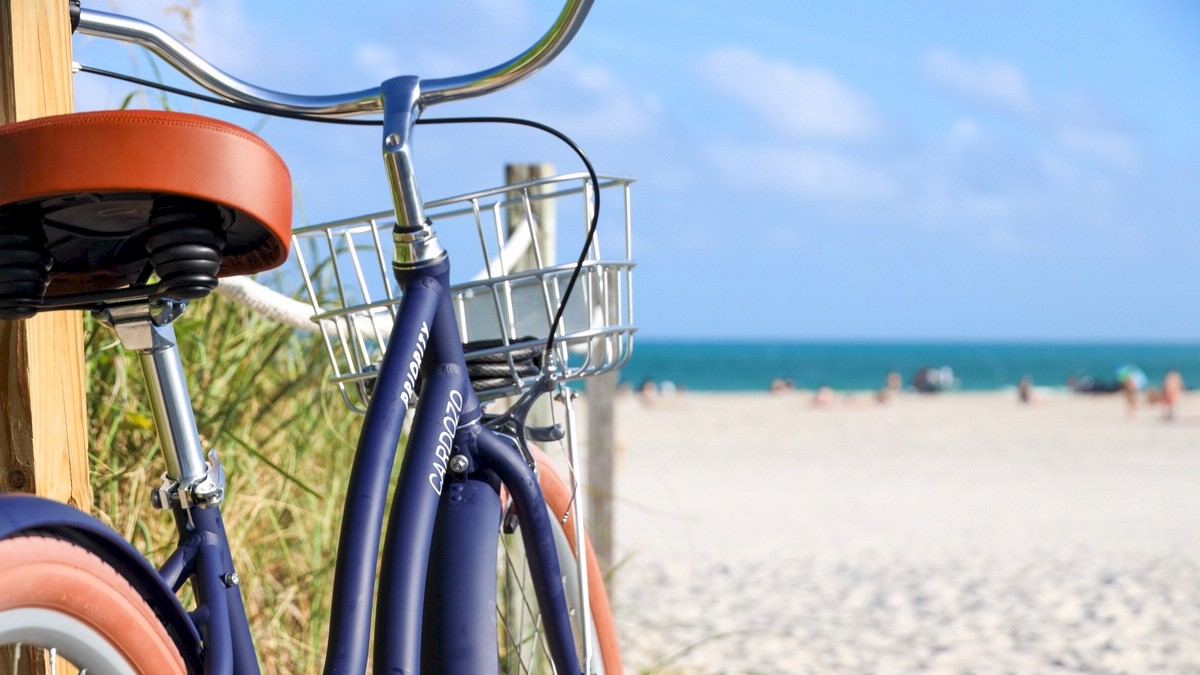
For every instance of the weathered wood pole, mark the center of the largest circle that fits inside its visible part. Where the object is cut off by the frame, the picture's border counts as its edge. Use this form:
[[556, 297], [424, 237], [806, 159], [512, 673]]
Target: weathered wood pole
[[601, 468], [43, 414]]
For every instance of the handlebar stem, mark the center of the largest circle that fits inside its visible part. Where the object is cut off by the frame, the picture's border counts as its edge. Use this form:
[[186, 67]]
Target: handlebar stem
[[416, 242]]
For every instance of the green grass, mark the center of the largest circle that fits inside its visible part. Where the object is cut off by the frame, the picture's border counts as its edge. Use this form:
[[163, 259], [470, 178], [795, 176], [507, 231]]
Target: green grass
[[285, 439]]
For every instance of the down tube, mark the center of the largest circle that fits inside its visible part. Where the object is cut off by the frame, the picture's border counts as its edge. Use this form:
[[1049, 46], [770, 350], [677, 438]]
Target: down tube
[[362, 519], [411, 522], [459, 634]]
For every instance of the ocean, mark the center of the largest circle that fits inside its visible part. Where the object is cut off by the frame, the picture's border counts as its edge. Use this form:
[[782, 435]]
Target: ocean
[[863, 366]]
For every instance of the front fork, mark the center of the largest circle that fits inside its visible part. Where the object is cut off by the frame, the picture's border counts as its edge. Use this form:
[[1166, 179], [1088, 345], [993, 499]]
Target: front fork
[[460, 632], [498, 454], [437, 593], [192, 488]]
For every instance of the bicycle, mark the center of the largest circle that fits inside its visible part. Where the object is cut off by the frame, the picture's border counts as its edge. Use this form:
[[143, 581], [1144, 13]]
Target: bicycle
[[192, 199]]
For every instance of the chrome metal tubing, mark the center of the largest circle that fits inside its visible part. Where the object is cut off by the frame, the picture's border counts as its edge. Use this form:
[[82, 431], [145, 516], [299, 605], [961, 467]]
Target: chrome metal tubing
[[174, 52], [400, 113], [416, 242], [173, 414], [366, 101], [440, 90]]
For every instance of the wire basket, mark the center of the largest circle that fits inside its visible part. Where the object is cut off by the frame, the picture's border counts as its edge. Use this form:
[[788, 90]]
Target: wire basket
[[509, 296]]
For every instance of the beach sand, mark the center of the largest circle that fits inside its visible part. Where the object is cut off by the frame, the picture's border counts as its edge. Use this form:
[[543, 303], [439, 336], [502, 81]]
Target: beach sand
[[954, 533]]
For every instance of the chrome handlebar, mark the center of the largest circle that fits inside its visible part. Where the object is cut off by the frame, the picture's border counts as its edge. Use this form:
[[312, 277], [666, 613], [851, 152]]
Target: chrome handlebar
[[366, 101]]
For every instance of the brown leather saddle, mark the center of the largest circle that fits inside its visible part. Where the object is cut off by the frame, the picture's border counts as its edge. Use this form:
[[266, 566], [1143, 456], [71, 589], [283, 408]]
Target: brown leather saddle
[[109, 207]]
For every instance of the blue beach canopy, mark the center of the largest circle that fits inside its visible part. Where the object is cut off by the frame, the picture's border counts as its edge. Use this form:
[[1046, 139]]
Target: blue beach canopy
[[1127, 371]]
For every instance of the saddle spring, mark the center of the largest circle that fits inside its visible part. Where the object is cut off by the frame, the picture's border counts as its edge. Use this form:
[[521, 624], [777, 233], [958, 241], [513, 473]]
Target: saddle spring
[[25, 270], [186, 241]]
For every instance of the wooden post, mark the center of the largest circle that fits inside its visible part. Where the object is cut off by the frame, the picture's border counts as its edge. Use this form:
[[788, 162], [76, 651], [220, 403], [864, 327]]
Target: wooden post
[[545, 216], [601, 469], [43, 414], [543, 211]]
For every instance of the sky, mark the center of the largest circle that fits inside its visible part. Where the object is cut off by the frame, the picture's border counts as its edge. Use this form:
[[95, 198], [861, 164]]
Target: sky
[[876, 170]]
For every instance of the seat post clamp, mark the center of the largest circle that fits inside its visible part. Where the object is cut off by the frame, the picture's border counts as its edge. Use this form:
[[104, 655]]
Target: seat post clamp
[[207, 490]]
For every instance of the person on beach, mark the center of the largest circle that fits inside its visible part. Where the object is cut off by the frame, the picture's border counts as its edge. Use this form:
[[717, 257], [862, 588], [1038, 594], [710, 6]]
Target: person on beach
[[1131, 389], [891, 387], [1025, 390], [1132, 379], [648, 391], [1172, 391], [781, 385]]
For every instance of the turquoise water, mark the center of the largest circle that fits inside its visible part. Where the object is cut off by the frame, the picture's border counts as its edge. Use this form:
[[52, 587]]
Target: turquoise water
[[862, 366]]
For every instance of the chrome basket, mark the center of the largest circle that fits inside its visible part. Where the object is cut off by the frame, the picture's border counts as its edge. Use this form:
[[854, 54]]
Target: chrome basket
[[505, 309]]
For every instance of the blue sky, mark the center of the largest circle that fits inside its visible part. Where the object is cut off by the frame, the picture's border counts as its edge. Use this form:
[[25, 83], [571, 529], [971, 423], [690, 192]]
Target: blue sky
[[808, 170]]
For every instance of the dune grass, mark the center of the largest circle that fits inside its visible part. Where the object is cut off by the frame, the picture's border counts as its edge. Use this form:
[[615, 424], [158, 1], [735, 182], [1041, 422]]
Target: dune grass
[[285, 439]]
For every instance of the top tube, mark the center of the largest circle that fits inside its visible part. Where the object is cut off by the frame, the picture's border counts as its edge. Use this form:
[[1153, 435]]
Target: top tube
[[366, 101]]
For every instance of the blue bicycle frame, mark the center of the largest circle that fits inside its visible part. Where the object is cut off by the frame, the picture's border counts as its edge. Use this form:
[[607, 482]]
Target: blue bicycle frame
[[437, 594], [441, 536], [442, 532]]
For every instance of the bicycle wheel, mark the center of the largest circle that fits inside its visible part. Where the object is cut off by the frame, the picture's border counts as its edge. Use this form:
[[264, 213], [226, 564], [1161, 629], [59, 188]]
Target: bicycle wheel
[[64, 610], [521, 648]]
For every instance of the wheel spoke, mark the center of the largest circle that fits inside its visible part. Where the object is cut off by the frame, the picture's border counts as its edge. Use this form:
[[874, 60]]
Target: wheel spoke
[[523, 646]]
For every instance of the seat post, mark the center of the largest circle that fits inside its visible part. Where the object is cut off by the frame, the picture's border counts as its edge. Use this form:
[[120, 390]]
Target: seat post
[[153, 337]]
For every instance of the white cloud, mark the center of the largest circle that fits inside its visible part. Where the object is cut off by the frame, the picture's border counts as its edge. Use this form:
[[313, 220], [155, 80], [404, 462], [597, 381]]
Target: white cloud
[[378, 61], [223, 35], [586, 100], [154, 11], [217, 30], [601, 104], [1086, 129], [1107, 146], [1006, 239], [804, 172], [1058, 169], [437, 40], [800, 101], [964, 132], [991, 81], [784, 236]]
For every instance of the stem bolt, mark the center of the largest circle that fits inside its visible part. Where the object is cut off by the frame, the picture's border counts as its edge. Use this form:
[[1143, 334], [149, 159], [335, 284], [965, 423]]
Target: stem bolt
[[459, 463]]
